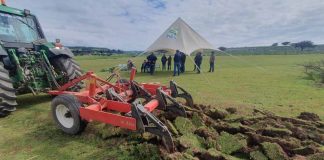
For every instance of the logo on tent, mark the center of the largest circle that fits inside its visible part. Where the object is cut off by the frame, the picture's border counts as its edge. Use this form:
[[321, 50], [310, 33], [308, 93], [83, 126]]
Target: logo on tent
[[172, 33]]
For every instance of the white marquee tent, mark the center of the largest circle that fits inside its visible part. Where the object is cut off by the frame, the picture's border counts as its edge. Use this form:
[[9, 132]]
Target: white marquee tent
[[180, 36]]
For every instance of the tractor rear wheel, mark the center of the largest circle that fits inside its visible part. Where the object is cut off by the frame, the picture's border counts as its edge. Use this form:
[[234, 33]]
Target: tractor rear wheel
[[65, 111], [7, 93], [69, 67]]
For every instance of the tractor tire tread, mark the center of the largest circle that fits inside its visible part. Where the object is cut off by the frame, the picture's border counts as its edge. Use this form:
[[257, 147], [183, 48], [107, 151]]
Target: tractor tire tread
[[70, 67], [7, 93]]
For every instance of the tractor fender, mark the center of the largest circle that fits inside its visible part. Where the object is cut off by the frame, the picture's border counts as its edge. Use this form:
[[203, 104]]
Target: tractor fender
[[3, 52], [61, 51]]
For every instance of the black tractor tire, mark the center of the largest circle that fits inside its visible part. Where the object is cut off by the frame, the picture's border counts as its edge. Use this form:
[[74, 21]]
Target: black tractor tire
[[70, 68], [65, 112], [67, 65], [7, 93]]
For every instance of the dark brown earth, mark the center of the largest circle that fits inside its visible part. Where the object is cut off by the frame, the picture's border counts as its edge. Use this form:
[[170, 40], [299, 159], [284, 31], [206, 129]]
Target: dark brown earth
[[208, 133]]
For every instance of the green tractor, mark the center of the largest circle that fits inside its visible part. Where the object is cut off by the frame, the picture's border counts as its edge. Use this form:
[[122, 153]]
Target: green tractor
[[28, 63]]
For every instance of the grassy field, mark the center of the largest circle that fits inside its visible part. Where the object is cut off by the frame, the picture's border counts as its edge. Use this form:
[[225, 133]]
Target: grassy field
[[273, 83]]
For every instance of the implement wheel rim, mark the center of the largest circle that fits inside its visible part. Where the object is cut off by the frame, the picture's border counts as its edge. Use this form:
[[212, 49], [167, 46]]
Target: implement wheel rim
[[64, 116]]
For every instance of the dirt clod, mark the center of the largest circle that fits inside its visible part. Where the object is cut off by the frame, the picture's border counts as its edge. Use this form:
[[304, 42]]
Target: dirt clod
[[309, 116], [211, 154], [273, 151], [208, 133], [231, 110], [190, 140], [317, 156], [275, 132], [258, 155], [217, 113], [229, 143], [184, 125], [305, 150]]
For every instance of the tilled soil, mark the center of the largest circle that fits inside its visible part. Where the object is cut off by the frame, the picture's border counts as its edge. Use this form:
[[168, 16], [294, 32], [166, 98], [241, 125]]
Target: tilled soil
[[207, 133]]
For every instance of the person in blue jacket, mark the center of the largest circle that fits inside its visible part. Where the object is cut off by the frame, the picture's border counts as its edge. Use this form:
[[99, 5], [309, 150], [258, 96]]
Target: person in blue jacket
[[151, 60], [177, 63]]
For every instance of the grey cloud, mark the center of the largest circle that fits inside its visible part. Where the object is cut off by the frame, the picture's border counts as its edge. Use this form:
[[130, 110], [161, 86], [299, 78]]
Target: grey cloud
[[136, 24]]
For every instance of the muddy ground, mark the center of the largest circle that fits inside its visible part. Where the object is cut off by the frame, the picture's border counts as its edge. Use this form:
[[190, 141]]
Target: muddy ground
[[208, 133]]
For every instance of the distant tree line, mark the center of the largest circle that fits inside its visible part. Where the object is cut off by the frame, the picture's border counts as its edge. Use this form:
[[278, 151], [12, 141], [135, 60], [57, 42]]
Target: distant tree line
[[95, 51], [301, 45]]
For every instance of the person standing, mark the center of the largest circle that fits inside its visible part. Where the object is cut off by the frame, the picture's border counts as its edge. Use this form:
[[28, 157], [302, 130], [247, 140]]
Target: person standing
[[169, 63], [151, 60], [163, 60], [130, 65], [183, 62], [195, 60], [177, 61], [199, 61], [212, 62], [143, 67]]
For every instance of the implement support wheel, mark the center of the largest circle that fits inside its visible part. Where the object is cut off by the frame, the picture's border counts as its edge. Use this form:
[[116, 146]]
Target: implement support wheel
[[65, 111]]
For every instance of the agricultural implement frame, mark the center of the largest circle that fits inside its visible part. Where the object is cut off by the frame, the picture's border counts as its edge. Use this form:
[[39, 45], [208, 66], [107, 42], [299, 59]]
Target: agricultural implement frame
[[119, 104]]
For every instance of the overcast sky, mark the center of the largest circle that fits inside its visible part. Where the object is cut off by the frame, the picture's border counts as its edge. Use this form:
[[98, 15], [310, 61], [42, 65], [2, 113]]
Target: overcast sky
[[135, 24]]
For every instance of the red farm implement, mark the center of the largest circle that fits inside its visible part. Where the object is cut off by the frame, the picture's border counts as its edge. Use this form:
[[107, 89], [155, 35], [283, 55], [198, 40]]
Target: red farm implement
[[118, 104]]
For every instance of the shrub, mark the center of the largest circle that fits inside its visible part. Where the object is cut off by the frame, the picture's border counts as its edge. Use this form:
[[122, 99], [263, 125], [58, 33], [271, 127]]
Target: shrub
[[315, 71]]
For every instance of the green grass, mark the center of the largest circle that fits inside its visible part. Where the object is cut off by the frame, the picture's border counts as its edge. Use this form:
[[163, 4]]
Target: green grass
[[273, 83]]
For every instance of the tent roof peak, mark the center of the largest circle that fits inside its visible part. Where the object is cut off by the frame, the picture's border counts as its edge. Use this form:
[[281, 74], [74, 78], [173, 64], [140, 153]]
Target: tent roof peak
[[180, 36]]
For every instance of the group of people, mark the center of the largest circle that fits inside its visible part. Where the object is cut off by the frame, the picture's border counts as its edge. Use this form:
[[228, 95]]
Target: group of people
[[198, 61], [149, 64], [179, 63], [179, 60], [166, 61]]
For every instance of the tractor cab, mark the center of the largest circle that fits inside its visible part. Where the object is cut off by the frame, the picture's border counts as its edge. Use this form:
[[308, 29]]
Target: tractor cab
[[18, 28], [28, 63]]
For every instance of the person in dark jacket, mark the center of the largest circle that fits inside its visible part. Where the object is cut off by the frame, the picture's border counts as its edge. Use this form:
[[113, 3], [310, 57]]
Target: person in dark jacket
[[144, 66], [177, 63], [195, 60], [198, 61], [212, 62], [151, 60], [169, 63], [163, 60], [183, 62]]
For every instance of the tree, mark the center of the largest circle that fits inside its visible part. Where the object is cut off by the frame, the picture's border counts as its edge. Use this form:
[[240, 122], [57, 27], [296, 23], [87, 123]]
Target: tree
[[285, 43], [274, 45], [304, 44], [222, 48]]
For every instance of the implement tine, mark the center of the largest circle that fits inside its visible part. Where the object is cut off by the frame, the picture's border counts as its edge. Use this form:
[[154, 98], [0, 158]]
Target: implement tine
[[175, 108], [154, 125], [183, 94]]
